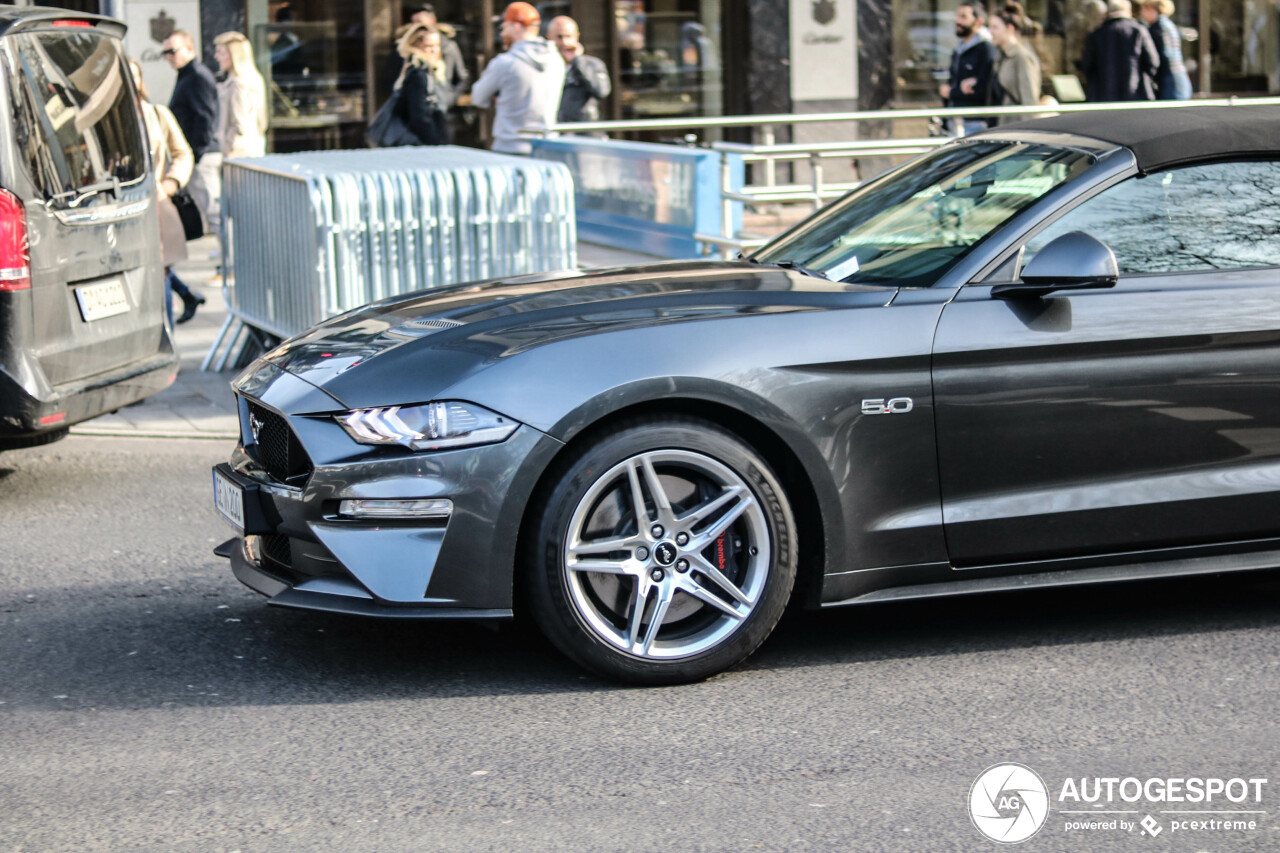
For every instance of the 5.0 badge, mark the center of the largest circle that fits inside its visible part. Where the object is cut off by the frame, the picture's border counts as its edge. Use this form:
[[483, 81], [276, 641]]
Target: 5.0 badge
[[881, 406]]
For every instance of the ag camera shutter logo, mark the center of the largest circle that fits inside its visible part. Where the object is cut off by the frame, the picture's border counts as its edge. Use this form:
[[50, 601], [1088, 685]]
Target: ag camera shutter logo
[[1008, 803]]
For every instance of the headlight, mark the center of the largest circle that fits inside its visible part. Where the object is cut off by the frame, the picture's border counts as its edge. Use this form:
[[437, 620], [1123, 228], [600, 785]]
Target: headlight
[[429, 426]]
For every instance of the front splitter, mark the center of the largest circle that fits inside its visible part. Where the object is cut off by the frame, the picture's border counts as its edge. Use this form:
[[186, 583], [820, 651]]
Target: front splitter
[[332, 595]]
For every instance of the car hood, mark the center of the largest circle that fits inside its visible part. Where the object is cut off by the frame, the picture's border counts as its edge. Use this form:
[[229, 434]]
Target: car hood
[[468, 326]]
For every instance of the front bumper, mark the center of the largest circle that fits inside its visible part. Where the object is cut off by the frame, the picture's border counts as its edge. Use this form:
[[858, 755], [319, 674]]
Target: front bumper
[[296, 549], [337, 595]]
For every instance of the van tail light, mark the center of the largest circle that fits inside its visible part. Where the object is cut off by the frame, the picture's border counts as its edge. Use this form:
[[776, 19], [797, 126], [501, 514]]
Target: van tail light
[[15, 259]]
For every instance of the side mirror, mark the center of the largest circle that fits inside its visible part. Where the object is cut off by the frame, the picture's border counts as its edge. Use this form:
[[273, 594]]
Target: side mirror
[[1074, 261]]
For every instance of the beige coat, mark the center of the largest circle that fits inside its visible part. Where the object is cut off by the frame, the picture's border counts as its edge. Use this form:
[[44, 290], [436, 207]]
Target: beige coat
[[242, 116], [1018, 73], [173, 160]]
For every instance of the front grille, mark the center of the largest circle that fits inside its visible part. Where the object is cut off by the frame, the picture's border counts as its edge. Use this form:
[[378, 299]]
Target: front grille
[[277, 549], [276, 448]]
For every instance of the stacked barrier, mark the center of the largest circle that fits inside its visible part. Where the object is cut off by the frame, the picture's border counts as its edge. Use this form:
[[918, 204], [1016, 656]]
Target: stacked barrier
[[314, 234]]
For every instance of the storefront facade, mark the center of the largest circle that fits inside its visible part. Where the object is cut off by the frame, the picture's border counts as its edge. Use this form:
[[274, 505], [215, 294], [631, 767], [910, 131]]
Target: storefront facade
[[1232, 52], [326, 61]]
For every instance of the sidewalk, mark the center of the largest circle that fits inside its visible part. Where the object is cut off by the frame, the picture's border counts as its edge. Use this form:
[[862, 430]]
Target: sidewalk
[[200, 404]]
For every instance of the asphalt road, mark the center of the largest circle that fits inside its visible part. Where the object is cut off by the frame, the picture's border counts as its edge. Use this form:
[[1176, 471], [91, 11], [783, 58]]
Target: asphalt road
[[149, 702]]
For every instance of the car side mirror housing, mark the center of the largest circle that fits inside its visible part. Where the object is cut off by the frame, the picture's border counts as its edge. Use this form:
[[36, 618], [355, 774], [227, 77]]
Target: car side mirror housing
[[1074, 261]]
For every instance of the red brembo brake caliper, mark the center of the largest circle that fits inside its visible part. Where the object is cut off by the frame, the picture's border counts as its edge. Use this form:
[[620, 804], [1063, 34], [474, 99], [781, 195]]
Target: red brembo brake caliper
[[720, 558]]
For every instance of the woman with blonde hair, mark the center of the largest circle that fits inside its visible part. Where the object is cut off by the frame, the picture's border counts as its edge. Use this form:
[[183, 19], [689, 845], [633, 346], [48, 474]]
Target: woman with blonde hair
[[242, 99], [1172, 81], [172, 160], [424, 94]]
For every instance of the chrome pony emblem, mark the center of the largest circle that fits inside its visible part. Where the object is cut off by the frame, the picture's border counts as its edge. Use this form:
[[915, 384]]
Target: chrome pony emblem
[[664, 553]]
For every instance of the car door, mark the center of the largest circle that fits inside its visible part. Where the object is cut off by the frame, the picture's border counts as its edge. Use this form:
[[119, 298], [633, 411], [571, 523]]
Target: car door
[[1113, 420]]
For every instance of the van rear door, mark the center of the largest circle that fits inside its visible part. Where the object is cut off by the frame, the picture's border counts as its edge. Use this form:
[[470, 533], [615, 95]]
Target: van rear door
[[77, 158]]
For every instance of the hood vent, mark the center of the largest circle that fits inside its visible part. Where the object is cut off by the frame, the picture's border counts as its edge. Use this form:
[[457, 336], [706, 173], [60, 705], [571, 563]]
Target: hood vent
[[436, 323], [422, 328]]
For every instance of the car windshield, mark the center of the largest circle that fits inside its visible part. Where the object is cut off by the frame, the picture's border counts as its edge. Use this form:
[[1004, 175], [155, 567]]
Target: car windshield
[[76, 120], [909, 227]]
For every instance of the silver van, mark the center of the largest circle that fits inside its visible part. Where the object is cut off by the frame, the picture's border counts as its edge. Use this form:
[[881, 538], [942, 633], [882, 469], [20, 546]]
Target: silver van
[[82, 329]]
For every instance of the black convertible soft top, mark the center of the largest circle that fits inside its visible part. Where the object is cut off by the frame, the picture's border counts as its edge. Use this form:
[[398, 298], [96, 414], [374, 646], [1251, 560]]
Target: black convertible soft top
[[1160, 138]]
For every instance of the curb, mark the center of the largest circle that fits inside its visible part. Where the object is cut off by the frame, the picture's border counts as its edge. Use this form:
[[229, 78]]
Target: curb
[[122, 432]]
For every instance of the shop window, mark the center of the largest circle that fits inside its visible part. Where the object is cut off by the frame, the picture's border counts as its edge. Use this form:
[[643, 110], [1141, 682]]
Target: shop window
[[669, 58], [923, 37], [1243, 46], [311, 55]]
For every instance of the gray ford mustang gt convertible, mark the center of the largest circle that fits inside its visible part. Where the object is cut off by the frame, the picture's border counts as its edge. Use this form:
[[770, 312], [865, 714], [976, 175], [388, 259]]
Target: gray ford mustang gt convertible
[[1041, 355]]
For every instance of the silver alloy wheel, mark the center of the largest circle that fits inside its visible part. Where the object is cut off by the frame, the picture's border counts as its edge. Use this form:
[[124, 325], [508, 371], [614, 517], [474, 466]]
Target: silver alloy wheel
[[685, 563]]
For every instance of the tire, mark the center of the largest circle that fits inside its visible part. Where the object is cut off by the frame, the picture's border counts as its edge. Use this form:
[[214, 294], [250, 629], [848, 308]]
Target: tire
[[714, 556]]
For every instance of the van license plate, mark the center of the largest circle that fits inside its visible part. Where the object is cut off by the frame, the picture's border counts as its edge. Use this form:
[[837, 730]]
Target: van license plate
[[105, 299], [228, 499]]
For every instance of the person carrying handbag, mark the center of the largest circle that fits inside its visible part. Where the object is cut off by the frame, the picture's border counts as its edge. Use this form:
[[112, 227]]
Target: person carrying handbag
[[173, 161], [416, 114]]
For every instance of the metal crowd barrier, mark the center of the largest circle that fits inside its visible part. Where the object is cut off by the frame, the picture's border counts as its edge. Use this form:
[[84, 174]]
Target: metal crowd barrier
[[314, 234]]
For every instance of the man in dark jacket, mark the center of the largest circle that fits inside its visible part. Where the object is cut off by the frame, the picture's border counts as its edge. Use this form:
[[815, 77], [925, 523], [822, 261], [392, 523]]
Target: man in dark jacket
[[972, 64], [194, 103], [586, 79], [1120, 59]]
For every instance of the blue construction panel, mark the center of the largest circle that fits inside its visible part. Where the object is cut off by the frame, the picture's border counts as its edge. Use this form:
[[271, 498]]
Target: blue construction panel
[[642, 196]]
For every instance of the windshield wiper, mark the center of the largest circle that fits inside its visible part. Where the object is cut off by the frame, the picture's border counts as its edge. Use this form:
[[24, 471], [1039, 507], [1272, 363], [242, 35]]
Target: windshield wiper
[[786, 265], [79, 194]]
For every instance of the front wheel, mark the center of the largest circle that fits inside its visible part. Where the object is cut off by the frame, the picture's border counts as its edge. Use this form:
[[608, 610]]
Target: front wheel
[[663, 552]]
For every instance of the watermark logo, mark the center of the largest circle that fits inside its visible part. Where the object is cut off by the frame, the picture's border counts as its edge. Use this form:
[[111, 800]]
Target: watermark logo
[[1008, 803]]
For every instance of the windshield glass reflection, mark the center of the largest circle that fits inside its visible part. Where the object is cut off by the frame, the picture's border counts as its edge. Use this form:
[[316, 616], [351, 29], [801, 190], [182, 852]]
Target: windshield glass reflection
[[913, 224]]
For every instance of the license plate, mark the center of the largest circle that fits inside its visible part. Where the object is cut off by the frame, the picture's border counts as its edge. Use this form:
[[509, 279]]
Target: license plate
[[105, 299], [228, 499]]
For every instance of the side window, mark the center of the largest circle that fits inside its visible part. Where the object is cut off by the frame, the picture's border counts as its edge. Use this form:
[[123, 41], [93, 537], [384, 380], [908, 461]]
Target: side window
[[1219, 216]]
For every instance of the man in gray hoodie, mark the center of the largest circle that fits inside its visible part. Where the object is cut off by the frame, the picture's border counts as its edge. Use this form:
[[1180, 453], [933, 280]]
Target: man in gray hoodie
[[523, 84]]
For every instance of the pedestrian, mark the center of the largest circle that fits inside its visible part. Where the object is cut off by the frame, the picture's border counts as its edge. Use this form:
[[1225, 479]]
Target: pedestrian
[[455, 68], [1172, 81], [1093, 13], [1031, 33], [697, 53], [242, 99], [1016, 81], [1120, 59], [586, 79], [524, 84], [172, 161], [194, 104], [972, 64], [424, 95]]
